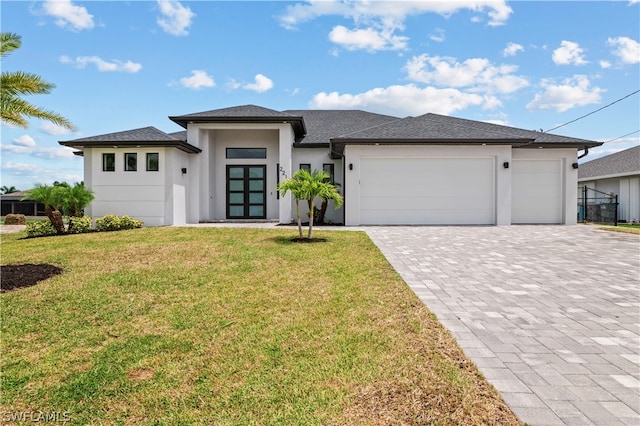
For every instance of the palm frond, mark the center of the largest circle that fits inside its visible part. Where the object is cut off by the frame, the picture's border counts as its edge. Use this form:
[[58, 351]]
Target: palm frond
[[13, 111], [9, 42], [22, 83]]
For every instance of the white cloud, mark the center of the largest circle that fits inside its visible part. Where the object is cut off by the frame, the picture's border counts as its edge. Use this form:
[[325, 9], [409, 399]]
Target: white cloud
[[478, 74], [626, 49], [24, 140], [572, 92], [376, 22], [512, 49], [262, 84], [401, 100], [53, 129], [438, 35], [68, 15], [44, 152], [367, 39], [198, 80], [102, 65], [21, 172], [388, 11], [569, 53], [605, 64], [176, 18]]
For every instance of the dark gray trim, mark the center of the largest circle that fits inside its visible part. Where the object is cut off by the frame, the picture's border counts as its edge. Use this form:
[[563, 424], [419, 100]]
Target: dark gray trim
[[181, 145]]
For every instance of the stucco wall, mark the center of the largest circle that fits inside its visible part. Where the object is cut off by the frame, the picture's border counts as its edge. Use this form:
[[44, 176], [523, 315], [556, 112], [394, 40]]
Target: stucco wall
[[139, 194]]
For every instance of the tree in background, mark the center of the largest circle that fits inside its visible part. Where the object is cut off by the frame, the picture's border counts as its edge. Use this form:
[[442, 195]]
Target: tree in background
[[14, 109], [8, 189]]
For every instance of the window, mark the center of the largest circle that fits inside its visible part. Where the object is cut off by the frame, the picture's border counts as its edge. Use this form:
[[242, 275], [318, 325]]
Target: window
[[153, 162], [109, 162], [130, 162], [330, 169], [305, 166], [246, 152]]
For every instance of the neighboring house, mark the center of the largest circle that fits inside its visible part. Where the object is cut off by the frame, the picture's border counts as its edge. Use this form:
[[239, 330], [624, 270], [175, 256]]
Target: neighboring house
[[13, 203], [617, 174], [430, 169]]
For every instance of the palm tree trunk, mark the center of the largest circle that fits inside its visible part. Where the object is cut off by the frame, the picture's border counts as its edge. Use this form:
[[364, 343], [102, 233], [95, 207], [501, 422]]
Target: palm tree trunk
[[310, 219], [56, 219], [299, 220]]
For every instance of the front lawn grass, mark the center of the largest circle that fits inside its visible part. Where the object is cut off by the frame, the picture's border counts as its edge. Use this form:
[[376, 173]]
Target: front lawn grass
[[230, 327]]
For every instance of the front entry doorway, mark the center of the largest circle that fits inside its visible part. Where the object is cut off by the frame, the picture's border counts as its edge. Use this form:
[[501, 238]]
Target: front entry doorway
[[246, 192]]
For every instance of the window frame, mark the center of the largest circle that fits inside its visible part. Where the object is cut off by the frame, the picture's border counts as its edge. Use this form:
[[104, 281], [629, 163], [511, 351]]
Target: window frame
[[251, 153], [331, 171], [112, 155], [305, 166], [127, 155], [149, 154]]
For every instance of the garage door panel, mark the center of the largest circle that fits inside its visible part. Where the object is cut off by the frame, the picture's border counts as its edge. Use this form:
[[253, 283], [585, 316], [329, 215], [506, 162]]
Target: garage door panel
[[537, 195], [422, 217], [427, 190]]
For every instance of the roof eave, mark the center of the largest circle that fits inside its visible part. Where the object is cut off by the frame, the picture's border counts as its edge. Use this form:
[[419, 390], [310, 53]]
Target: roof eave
[[337, 145], [181, 145]]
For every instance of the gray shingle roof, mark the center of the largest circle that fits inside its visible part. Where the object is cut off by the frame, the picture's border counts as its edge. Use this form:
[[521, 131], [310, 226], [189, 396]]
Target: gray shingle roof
[[145, 136], [322, 125], [243, 114], [625, 162], [251, 111], [435, 127], [438, 129]]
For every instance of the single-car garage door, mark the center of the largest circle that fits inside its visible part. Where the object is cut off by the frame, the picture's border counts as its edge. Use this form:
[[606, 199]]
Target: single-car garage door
[[427, 191], [536, 191]]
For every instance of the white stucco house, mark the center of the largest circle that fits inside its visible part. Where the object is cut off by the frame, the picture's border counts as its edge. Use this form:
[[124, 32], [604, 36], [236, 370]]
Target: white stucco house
[[616, 174], [431, 169]]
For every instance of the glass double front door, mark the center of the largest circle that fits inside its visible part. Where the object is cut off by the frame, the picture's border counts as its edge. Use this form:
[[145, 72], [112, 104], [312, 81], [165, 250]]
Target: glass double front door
[[246, 192]]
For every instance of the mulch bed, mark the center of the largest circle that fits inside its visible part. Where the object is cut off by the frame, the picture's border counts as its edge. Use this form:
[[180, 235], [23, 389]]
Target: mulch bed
[[13, 277]]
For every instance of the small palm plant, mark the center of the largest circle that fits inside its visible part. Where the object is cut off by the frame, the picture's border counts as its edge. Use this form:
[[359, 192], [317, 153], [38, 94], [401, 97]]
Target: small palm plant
[[296, 186], [51, 197], [72, 200], [307, 186]]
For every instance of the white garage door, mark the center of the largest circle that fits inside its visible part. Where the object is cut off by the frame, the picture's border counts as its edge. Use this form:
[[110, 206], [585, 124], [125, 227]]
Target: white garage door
[[536, 195], [427, 191]]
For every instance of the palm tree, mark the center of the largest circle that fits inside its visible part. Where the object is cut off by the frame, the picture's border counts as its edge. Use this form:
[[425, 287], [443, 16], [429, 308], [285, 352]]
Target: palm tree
[[307, 186], [13, 109], [50, 196], [75, 198], [8, 189], [295, 184], [318, 185]]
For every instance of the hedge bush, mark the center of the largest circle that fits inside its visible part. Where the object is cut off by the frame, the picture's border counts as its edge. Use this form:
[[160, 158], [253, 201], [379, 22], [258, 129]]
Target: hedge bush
[[112, 222], [15, 219], [79, 225], [41, 228]]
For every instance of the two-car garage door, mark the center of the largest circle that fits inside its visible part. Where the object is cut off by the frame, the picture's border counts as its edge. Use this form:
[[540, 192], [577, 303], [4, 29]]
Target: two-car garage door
[[427, 191]]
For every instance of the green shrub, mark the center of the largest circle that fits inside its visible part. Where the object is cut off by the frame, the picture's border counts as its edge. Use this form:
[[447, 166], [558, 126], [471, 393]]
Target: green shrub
[[15, 219], [128, 223], [79, 225], [41, 228], [112, 222]]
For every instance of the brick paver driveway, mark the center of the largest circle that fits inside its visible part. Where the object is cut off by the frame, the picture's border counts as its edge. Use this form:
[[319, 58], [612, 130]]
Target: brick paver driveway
[[550, 314]]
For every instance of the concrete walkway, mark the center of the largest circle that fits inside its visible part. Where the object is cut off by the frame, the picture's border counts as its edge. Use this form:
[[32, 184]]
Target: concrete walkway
[[550, 314]]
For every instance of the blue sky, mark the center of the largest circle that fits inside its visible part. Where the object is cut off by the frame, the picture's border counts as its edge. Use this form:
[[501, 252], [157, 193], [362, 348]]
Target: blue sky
[[122, 65]]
